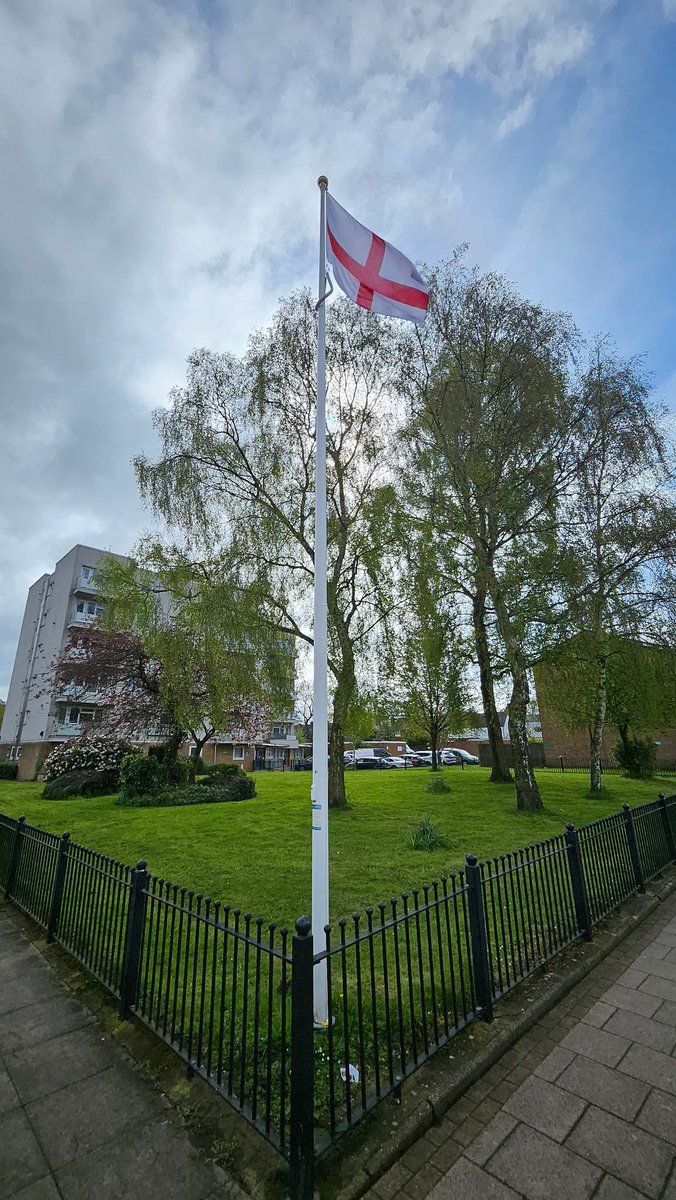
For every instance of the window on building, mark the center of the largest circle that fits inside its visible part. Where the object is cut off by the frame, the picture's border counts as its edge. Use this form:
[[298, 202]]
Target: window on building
[[89, 608], [238, 750], [79, 716], [279, 731], [87, 572]]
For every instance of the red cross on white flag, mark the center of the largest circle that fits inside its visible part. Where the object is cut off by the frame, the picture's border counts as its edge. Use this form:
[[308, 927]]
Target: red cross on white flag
[[370, 271]]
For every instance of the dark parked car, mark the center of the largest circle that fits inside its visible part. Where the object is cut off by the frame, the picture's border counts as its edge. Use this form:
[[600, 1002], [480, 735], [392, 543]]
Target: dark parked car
[[303, 764]]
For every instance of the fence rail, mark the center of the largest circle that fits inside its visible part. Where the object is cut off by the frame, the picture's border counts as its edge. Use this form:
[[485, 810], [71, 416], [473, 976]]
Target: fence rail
[[234, 995]]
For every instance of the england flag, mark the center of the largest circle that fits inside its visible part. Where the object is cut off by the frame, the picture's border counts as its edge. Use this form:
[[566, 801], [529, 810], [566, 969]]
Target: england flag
[[370, 271]]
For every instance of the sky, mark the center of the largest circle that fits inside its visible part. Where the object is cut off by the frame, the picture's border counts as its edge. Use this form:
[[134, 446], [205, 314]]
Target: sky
[[158, 167]]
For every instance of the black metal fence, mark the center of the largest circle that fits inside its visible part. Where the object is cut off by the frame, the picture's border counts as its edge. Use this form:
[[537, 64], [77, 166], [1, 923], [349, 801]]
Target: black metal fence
[[303, 1038]]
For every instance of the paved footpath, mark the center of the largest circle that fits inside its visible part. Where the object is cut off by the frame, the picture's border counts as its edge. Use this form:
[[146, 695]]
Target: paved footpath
[[583, 1106], [76, 1120]]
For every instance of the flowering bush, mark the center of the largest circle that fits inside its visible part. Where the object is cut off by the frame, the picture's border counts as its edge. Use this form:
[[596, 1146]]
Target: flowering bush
[[90, 753]]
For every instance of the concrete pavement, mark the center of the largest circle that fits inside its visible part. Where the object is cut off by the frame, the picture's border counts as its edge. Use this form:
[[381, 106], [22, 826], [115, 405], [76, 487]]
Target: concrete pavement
[[582, 1108], [76, 1120]]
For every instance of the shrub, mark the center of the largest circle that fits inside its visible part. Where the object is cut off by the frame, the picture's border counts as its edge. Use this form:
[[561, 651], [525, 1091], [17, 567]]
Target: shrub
[[88, 753], [225, 770], [140, 775], [438, 785], [81, 783], [178, 771], [8, 770], [637, 758], [198, 765], [191, 793], [427, 837]]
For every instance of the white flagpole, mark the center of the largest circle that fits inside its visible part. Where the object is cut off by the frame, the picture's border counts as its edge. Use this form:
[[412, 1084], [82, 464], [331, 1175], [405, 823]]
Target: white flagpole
[[320, 716]]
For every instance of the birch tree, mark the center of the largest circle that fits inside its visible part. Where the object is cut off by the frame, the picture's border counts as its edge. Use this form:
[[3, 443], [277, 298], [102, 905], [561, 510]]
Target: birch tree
[[488, 383]]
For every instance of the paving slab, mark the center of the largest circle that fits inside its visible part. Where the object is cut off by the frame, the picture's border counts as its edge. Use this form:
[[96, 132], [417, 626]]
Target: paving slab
[[652, 1067], [540, 1168], [8, 1096], [156, 1158], [606, 1048], [604, 1087], [38, 1070], [76, 1120], [21, 1159], [483, 1146], [546, 1107], [658, 1116], [88, 1113], [44, 1189], [638, 1002], [646, 1030], [468, 1181], [636, 1157], [613, 1189], [42, 1021]]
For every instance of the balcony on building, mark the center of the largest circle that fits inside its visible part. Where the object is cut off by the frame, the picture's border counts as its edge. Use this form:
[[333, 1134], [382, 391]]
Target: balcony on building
[[85, 613], [87, 582]]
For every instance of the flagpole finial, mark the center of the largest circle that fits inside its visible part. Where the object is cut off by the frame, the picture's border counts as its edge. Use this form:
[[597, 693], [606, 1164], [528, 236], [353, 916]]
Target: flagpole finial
[[322, 182]]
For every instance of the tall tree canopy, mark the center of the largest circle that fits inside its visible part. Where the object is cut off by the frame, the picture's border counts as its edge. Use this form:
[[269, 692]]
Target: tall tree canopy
[[617, 528], [487, 382], [236, 473]]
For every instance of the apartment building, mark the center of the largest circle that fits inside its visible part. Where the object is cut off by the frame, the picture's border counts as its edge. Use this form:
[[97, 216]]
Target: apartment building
[[36, 714], [39, 715]]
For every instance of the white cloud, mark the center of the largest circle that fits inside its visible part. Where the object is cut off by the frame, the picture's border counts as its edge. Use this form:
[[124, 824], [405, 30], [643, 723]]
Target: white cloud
[[158, 193], [516, 118], [669, 7]]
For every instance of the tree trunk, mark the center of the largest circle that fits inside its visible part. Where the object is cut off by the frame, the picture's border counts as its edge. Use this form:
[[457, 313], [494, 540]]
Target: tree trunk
[[342, 698], [500, 772], [337, 798], [596, 731], [527, 791], [434, 743]]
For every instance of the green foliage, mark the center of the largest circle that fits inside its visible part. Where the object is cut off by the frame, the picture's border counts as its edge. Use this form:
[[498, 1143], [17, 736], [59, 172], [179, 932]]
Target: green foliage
[[427, 837], [191, 793], [637, 756], [640, 683], [178, 771], [8, 770], [438, 786], [224, 770], [81, 783], [198, 765], [140, 775]]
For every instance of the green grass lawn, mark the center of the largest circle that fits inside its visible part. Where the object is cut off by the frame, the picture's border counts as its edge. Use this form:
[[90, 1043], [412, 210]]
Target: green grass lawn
[[256, 854]]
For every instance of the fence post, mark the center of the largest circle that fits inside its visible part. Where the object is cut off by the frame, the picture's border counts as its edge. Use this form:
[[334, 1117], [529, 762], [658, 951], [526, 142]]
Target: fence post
[[668, 831], [561, 762], [133, 938], [481, 970], [633, 846], [59, 881], [16, 855], [582, 914], [301, 1117]]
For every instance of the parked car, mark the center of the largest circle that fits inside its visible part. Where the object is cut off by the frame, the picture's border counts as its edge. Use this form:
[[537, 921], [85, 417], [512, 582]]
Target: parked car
[[466, 756], [303, 764], [449, 758]]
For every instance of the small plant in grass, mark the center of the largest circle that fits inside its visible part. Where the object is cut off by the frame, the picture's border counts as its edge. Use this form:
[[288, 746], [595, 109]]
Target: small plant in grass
[[438, 785], [427, 837], [8, 770]]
